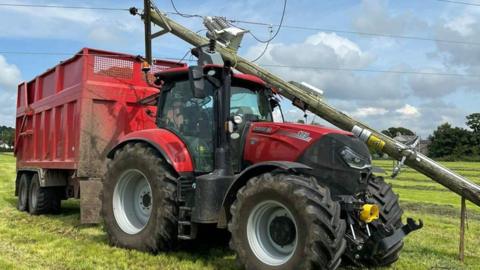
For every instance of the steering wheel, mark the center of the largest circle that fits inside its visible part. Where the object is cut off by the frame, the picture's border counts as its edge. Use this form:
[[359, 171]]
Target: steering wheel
[[201, 101]]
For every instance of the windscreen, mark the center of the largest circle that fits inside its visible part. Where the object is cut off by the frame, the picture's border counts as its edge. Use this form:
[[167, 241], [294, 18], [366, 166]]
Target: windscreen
[[252, 105]]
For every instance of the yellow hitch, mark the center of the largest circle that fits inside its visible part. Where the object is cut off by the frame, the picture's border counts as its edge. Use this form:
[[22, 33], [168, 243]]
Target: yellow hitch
[[369, 213]]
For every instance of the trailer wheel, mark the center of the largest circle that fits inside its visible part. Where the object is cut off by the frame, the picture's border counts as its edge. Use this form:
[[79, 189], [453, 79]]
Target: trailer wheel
[[282, 221], [42, 200], [138, 201], [390, 215], [23, 185]]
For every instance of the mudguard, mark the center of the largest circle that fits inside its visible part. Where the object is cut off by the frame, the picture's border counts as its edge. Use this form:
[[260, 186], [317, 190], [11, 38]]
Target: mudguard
[[169, 145], [245, 175]]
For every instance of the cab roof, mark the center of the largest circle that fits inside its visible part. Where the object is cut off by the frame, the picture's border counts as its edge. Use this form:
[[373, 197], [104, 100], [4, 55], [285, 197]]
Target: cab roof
[[181, 73]]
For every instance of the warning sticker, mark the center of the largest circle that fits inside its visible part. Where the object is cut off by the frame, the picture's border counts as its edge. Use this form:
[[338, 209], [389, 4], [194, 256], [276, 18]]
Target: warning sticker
[[375, 142]]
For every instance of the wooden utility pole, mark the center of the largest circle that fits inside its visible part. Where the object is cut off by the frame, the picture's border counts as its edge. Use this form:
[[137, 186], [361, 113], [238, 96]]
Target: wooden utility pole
[[463, 215], [148, 32], [314, 103]]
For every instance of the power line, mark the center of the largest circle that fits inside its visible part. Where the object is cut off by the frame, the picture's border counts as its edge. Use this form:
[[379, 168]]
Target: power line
[[359, 33], [58, 6], [373, 70], [278, 29], [262, 53], [298, 27], [272, 37], [293, 27], [343, 69], [87, 54], [460, 2], [183, 14]]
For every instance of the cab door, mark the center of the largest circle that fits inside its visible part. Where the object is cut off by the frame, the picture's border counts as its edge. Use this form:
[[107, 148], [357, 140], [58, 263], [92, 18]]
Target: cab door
[[191, 119], [252, 105]]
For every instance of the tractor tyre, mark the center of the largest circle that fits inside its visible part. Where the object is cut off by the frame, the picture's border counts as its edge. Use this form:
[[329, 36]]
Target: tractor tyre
[[23, 186], [139, 200], [284, 221], [390, 215], [42, 200]]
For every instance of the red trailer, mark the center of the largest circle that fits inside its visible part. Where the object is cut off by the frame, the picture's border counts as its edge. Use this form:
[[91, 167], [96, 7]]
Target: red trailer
[[69, 117]]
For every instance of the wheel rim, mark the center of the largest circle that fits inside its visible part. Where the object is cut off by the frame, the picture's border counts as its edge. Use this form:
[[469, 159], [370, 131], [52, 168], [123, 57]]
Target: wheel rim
[[132, 201], [272, 233]]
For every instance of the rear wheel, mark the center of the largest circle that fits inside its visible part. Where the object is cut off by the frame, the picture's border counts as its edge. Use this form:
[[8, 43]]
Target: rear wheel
[[23, 185], [139, 206], [42, 200], [282, 221], [390, 215]]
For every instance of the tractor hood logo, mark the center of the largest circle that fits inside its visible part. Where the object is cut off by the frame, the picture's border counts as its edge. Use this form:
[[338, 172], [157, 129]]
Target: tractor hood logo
[[301, 135]]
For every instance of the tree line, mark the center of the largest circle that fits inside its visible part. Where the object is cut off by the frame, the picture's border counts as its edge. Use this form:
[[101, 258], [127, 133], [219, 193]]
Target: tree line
[[448, 142], [7, 135], [455, 143]]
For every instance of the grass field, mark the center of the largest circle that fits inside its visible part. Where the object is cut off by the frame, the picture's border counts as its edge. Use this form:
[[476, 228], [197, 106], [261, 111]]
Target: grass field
[[60, 242]]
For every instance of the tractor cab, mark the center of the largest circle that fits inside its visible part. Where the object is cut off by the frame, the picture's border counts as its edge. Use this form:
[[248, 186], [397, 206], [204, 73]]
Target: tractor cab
[[190, 113]]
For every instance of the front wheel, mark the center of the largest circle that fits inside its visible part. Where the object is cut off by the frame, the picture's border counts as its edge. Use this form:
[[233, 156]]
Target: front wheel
[[138, 201], [282, 221], [390, 215]]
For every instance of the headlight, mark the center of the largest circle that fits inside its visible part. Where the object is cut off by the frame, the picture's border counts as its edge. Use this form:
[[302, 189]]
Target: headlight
[[354, 160]]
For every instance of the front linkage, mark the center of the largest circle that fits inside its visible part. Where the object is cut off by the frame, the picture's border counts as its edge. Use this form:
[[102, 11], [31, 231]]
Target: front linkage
[[387, 237], [375, 231]]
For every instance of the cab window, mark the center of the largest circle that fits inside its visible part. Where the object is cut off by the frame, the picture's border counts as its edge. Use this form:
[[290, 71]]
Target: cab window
[[191, 119], [251, 105]]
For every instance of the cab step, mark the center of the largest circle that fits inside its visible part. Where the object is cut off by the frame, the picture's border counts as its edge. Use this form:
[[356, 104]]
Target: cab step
[[186, 230]]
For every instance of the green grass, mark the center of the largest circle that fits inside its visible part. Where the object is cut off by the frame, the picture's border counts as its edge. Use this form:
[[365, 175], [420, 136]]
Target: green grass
[[60, 242], [414, 187]]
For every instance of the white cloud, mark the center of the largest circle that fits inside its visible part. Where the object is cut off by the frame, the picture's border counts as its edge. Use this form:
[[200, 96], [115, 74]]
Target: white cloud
[[341, 46], [318, 49], [408, 111], [9, 75], [72, 24], [374, 16], [9, 78], [369, 111], [462, 25], [330, 51]]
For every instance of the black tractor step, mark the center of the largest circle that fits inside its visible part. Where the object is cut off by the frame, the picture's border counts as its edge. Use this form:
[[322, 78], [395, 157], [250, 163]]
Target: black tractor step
[[186, 231], [185, 186]]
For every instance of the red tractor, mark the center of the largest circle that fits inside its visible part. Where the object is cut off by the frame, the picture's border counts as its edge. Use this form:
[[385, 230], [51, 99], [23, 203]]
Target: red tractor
[[293, 196]]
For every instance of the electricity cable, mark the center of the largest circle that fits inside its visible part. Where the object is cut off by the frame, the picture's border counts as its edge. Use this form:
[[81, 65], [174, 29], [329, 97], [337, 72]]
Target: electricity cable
[[292, 27], [343, 69]]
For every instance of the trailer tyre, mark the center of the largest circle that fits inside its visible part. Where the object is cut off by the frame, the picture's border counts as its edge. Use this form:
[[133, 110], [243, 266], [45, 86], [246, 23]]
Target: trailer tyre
[[390, 215], [138, 200], [42, 200], [23, 185], [283, 221]]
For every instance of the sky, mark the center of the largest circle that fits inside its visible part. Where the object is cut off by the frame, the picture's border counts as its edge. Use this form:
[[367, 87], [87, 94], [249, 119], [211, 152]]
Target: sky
[[409, 95]]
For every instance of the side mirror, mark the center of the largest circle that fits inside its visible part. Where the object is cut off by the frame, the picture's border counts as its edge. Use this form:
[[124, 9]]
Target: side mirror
[[197, 81], [274, 103]]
